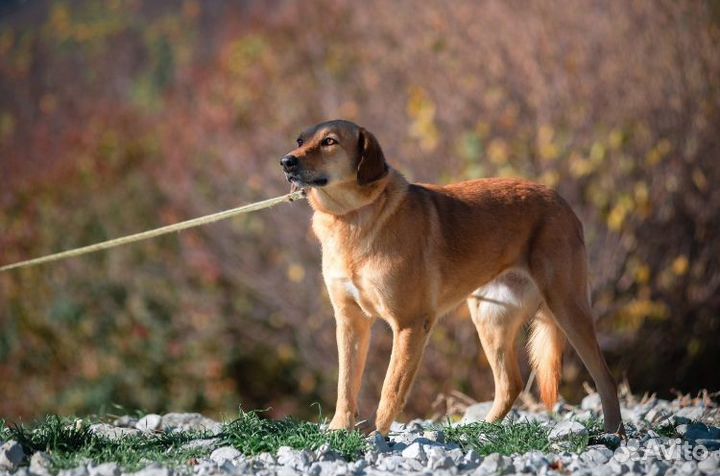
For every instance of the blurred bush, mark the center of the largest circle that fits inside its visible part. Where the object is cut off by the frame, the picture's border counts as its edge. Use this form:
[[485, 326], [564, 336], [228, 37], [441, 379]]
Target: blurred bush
[[120, 116]]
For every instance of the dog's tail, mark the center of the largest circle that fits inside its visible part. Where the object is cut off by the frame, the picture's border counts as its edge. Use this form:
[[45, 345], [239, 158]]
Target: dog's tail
[[546, 346]]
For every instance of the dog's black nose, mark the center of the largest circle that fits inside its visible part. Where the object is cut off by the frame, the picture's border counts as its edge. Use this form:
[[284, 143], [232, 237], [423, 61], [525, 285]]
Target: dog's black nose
[[289, 162]]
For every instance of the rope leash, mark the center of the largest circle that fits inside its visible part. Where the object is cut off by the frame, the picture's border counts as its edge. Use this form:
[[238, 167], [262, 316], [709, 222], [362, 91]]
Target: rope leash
[[164, 230]]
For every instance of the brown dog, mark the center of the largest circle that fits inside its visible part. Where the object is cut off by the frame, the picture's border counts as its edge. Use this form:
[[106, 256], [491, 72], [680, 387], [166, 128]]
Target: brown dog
[[409, 253]]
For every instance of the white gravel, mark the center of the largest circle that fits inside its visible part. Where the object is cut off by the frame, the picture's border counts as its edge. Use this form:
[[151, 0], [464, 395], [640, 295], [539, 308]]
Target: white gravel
[[418, 448]]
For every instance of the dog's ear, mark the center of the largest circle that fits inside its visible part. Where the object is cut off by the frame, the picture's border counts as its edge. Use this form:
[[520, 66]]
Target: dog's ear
[[371, 163]]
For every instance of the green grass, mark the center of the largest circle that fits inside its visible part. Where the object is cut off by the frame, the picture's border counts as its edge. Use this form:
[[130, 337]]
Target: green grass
[[516, 437], [4, 430], [667, 430], [252, 434], [71, 443], [506, 439]]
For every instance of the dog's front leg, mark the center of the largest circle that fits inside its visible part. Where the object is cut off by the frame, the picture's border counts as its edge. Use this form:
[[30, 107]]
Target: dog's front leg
[[408, 346], [353, 339]]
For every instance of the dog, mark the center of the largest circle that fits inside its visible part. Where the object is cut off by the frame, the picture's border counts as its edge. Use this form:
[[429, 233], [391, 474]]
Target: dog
[[409, 253]]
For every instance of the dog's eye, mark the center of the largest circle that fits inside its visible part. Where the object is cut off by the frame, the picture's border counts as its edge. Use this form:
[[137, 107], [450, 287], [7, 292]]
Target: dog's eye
[[299, 142], [329, 141]]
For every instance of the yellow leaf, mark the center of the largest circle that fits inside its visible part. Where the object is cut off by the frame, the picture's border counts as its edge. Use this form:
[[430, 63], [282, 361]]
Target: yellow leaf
[[498, 151], [617, 216], [680, 265], [296, 273]]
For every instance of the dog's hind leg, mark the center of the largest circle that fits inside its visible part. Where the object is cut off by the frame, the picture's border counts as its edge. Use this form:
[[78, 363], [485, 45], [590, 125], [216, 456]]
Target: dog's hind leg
[[572, 312], [499, 310], [559, 268]]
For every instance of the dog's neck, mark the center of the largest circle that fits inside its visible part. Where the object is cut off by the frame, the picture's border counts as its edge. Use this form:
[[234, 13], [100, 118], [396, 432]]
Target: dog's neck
[[344, 201]]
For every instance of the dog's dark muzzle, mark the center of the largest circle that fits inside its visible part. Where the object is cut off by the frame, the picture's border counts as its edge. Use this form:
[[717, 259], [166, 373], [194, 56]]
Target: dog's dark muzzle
[[289, 163]]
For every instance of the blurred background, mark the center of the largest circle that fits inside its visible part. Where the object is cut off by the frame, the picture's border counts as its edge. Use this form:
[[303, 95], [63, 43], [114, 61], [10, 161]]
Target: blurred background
[[118, 116]]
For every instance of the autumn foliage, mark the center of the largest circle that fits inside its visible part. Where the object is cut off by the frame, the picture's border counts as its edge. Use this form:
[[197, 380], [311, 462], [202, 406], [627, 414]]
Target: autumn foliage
[[119, 116]]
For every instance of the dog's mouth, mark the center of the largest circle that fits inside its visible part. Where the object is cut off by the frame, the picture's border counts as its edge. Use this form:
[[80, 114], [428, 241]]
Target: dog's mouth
[[303, 182]]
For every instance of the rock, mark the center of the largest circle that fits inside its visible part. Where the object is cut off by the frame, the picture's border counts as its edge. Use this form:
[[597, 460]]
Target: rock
[[204, 467], [397, 447], [378, 441], [112, 432], [229, 467], [687, 467], [656, 414], [476, 412], [415, 426], [150, 422], [435, 435], [153, 470], [656, 468], [494, 463], [567, 429], [441, 462], [610, 440], [415, 451], [470, 460], [591, 402], [536, 461], [190, 422], [40, 463], [328, 468], [454, 453], [630, 415], [284, 471], [688, 415], [392, 463], [326, 453], [710, 465], [287, 456], [584, 416], [225, 453], [405, 438], [417, 466], [603, 470], [562, 408], [357, 467], [79, 471], [105, 469], [596, 455], [201, 443], [693, 431], [11, 455], [711, 445], [397, 427], [372, 455], [126, 421], [265, 459]]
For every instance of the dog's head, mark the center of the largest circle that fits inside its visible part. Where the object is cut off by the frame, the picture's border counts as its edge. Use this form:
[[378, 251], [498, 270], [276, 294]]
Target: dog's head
[[333, 153]]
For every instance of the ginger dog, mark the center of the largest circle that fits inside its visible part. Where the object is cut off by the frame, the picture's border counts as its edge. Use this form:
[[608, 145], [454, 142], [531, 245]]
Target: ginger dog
[[410, 253]]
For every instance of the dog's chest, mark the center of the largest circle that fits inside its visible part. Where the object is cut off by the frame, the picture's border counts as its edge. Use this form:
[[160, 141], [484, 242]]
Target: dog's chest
[[351, 289], [345, 281], [344, 284]]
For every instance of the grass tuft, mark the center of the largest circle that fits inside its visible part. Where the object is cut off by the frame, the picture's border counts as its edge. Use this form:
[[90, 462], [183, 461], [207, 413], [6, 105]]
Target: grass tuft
[[252, 434], [504, 438], [70, 443], [53, 434], [4, 430]]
